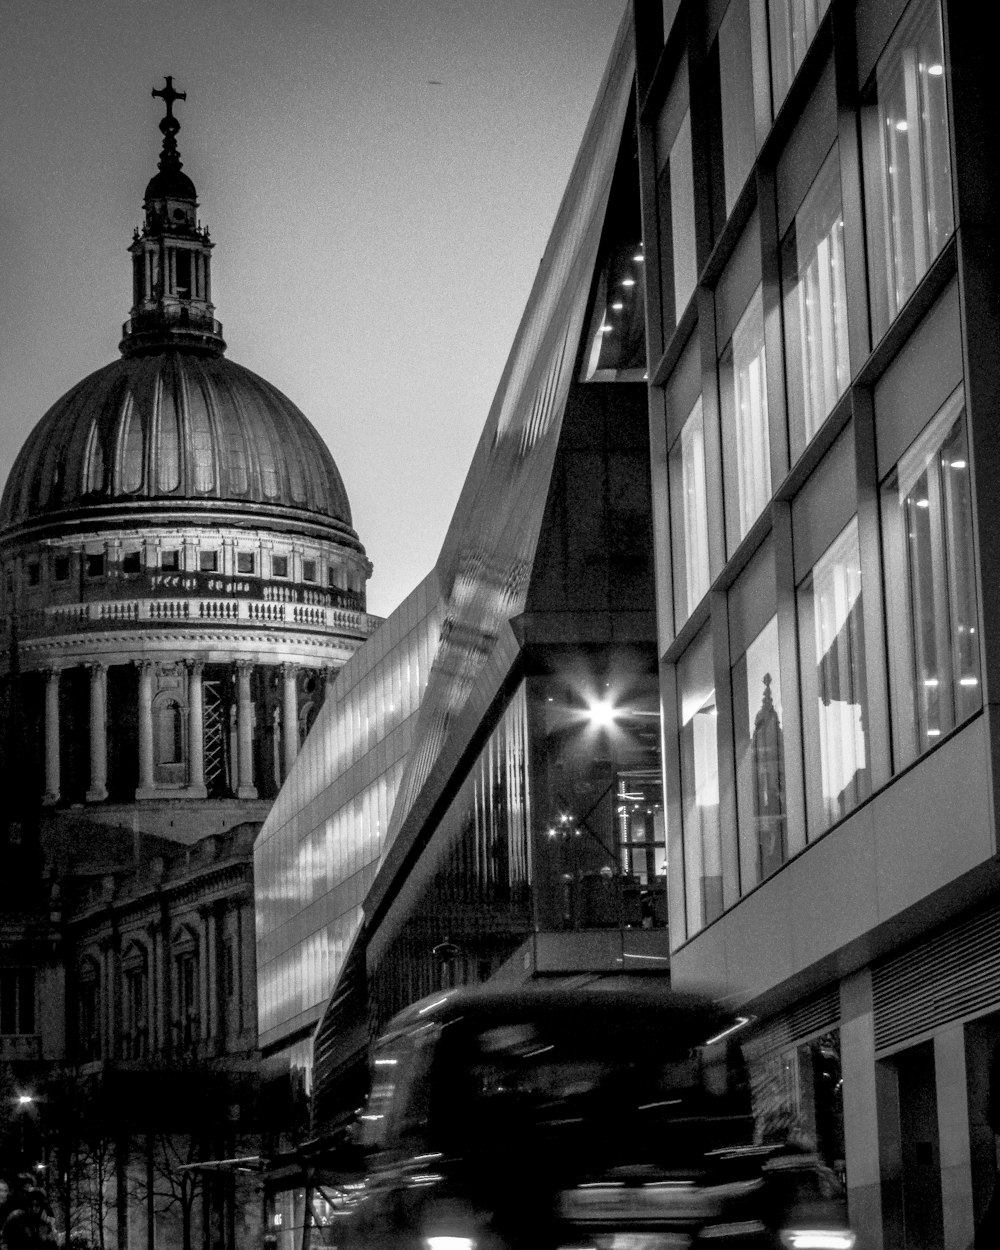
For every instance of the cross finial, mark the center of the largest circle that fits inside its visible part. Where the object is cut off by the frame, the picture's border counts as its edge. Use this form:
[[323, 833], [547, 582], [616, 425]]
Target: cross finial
[[168, 95]]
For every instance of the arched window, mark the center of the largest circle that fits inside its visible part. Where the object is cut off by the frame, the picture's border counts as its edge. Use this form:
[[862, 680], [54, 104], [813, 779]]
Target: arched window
[[135, 973], [88, 1009], [169, 733], [187, 998]]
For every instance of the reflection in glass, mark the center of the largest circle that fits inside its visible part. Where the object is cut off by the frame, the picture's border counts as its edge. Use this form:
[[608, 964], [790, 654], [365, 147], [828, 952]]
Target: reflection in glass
[[815, 302], [746, 443], [798, 1098], [833, 683], [906, 162], [700, 784], [760, 758], [793, 23], [931, 585], [689, 516]]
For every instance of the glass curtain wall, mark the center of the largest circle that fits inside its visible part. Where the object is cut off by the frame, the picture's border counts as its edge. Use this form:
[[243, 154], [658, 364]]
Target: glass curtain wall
[[798, 1098], [739, 141], [689, 516], [746, 440], [699, 757], [907, 169], [931, 586], [834, 695], [675, 192], [760, 759], [815, 306]]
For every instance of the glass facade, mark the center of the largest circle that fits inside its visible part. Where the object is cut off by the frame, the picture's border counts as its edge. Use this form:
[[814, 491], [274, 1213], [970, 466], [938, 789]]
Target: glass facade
[[931, 586], [322, 842], [699, 753], [675, 198], [834, 696], [760, 759], [689, 516], [907, 167], [815, 306], [736, 91], [798, 1097], [746, 440]]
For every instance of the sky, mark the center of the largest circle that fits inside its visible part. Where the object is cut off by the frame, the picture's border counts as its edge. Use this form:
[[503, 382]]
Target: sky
[[379, 178]]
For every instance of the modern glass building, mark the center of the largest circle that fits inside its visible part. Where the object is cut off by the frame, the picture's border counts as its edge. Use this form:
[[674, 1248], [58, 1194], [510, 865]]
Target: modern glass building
[[507, 820], [819, 182]]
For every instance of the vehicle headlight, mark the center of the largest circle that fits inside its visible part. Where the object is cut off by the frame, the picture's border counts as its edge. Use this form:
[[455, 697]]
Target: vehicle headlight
[[816, 1238], [439, 1242]]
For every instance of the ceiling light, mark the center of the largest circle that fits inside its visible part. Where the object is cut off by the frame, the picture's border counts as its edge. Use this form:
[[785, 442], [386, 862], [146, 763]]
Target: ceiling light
[[902, 125], [969, 681], [601, 713], [618, 306], [958, 464], [936, 70], [628, 281]]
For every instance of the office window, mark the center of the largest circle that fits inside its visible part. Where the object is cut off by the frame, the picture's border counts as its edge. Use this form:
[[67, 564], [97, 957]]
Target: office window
[[675, 197], [792, 24], [815, 304], [308, 570], [689, 516], [60, 568], [702, 835], [931, 586], [746, 440], [132, 562], [739, 142], [834, 695], [95, 565], [244, 562], [760, 758], [170, 561], [208, 561], [279, 566], [906, 163]]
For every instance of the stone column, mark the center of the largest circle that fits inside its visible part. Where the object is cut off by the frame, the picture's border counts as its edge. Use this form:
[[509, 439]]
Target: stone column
[[244, 730], [52, 767], [98, 791], [289, 715], [146, 783], [196, 729]]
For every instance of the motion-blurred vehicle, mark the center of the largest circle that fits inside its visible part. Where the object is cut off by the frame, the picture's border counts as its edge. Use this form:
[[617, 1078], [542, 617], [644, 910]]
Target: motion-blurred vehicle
[[586, 1119]]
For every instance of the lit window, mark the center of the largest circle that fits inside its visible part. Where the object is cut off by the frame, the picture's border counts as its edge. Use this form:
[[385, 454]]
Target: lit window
[[279, 566], [834, 696], [760, 758], [700, 784], [815, 300], [906, 164], [746, 441], [689, 515], [208, 561], [931, 586]]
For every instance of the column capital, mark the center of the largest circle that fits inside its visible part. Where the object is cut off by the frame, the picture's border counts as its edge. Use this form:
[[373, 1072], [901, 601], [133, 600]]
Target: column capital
[[195, 667], [289, 670], [144, 666], [244, 666], [96, 667], [51, 671]]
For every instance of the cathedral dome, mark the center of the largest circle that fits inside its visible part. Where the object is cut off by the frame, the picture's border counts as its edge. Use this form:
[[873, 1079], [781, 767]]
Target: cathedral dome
[[178, 426]]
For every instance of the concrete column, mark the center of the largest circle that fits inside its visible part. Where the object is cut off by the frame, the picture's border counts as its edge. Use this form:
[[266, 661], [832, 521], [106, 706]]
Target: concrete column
[[289, 715], [146, 783], [953, 1134], [52, 766], [98, 733], [244, 730], [196, 730], [857, 1056]]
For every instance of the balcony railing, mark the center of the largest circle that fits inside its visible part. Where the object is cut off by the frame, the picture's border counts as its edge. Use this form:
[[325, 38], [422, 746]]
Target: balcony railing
[[189, 610]]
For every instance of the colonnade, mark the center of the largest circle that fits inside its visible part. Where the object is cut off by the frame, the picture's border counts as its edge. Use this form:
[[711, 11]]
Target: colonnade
[[147, 785]]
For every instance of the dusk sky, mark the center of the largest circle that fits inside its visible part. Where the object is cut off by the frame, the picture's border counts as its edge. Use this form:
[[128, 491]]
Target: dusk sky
[[376, 234]]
